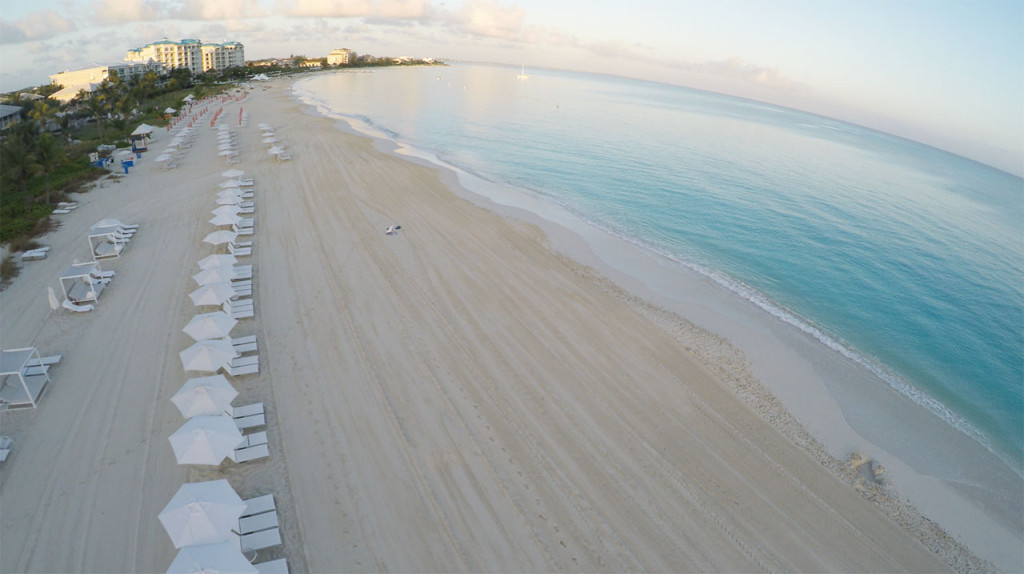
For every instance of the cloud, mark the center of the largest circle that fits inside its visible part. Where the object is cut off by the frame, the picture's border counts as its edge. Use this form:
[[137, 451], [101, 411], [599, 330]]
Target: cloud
[[121, 11], [489, 19], [218, 10], [35, 26], [386, 9]]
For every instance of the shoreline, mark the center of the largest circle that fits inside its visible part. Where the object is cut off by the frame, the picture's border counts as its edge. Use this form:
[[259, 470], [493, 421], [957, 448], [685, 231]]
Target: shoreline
[[825, 400], [456, 397]]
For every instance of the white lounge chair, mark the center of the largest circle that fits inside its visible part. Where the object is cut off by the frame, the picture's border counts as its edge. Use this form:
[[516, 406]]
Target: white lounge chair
[[242, 230], [257, 522], [260, 540], [244, 344], [249, 454], [70, 306], [239, 251], [5, 449], [251, 422], [247, 365], [251, 440], [259, 505], [102, 274], [279, 566], [50, 360], [246, 410]]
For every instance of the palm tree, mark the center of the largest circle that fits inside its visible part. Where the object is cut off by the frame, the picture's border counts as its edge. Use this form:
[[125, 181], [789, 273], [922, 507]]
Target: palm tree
[[42, 111], [97, 106], [49, 154], [16, 156]]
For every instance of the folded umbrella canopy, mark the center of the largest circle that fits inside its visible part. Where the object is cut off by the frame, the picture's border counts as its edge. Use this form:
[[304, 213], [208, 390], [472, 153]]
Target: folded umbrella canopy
[[204, 396], [202, 513], [206, 440]]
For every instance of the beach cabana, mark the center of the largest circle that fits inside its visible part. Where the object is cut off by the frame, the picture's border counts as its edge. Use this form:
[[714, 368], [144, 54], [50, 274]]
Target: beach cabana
[[140, 137], [80, 282], [23, 379], [106, 241]]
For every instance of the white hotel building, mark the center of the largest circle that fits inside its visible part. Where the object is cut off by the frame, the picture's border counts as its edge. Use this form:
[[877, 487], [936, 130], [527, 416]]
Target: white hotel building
[[193, 55]]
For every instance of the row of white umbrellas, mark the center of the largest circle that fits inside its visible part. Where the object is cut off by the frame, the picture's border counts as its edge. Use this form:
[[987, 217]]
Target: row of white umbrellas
[[202, 517]]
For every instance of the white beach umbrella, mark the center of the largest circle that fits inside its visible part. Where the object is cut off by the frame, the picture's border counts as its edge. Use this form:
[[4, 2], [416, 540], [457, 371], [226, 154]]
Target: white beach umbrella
[[220, 237], [230, 183], [202, 513], [229, 200], [225, 557], [228, 209], [212, 294], [208, 356], [217, 260], [226, 152], [232, 173], [169, 110], [225, 219], [205, 440], [225, 146], [275, 150], [210, 325], [204, 396], [270, 139], [108, 222], [221, 274]]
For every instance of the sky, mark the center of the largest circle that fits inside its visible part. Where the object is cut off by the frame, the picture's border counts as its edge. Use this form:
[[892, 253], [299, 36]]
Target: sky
[[948, 73]]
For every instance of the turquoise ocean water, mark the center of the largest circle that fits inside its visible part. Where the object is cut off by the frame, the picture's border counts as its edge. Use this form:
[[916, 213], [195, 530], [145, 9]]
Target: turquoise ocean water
[[905, 258]]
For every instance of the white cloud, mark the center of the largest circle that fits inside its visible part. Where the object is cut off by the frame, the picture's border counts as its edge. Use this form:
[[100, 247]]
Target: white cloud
[[218, 10], [490, 19], [389, 9], [120, 11], [36, 26]]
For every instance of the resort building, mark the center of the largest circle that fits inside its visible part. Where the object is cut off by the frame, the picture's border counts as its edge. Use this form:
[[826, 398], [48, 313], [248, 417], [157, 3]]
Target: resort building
[[192, 55], [9, 115], [223, 56], [339, 56], [74, 81]]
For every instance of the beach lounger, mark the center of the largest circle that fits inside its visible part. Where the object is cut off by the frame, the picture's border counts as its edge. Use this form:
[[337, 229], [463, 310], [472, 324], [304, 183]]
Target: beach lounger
[[244, 344], [242, 291], [60, 211], [259, 505], [239, 370], [242, 312], [251, 440], [35, 370], [279, 566], [242, 230], [35, 254], [246, 410], [67, 204], [239, 251], [260, 540], [5, 449], [67, 304], [257, 522], [249, 454], [50, 360], [251, 422]]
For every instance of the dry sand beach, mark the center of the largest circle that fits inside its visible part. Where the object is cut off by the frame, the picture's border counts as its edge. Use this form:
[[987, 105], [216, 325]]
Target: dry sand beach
[[456, 397]]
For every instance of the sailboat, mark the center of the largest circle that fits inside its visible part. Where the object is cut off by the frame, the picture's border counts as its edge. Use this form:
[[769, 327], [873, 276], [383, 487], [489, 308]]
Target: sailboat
[[522, 74]]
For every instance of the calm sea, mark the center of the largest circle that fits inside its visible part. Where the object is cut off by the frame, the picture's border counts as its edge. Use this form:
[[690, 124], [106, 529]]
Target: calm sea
[[902, 257]]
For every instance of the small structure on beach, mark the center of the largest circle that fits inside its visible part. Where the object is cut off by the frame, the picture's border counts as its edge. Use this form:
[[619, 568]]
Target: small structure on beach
[[80, 283], [23, 378], [106, 242]]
